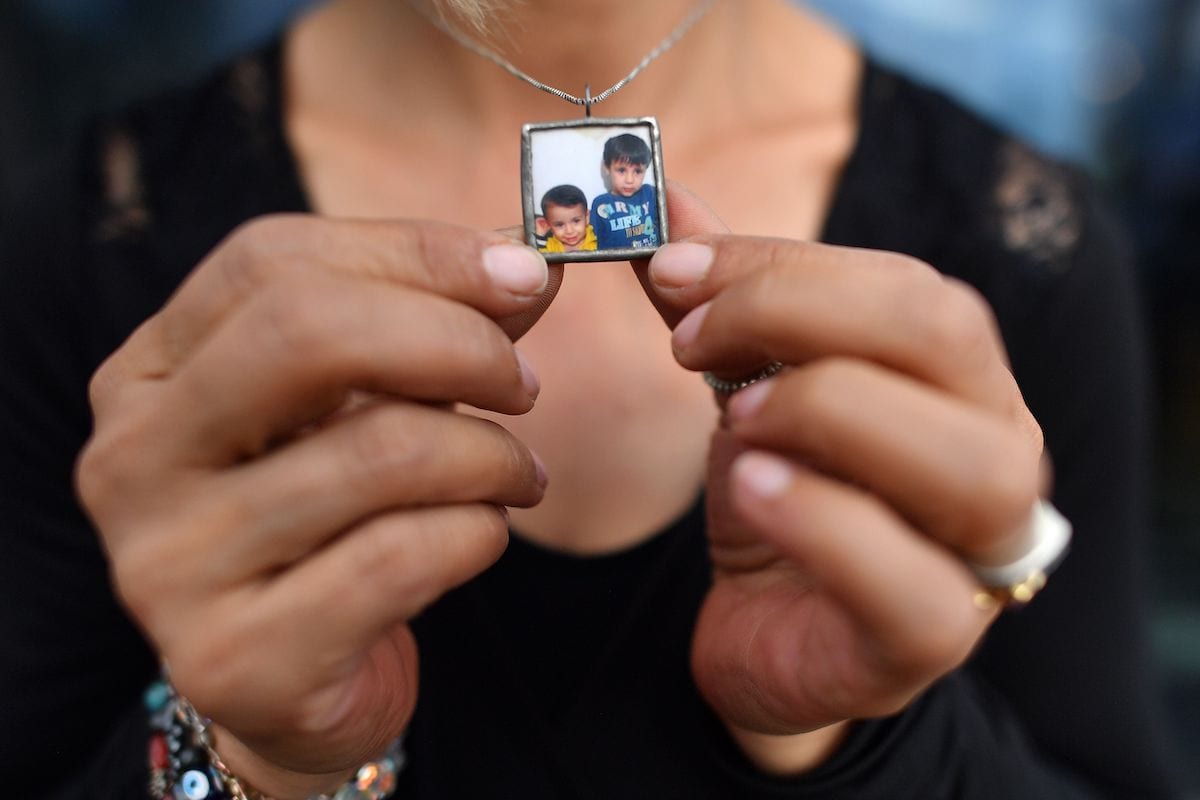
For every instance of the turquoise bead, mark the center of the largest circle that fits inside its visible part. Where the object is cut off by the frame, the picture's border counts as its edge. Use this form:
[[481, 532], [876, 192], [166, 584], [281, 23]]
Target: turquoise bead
[[156, 696]]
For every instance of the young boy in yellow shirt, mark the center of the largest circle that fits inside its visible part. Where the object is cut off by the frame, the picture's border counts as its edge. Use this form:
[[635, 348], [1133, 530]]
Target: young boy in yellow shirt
[[565, 211]]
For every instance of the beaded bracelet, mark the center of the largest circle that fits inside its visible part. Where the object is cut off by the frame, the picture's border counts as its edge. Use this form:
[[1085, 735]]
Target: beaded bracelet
[[184, 764]]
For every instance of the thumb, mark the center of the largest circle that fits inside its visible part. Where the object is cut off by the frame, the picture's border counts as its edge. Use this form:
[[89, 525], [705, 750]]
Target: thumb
[[518, 325], [689, 217]]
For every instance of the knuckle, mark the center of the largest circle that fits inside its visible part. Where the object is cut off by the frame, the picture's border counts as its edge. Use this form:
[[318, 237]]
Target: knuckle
[[518, 469], [821, 387], [814, 393], [93, 476], [909, 283], [1029, 427], [428, 243], [516, 458], [266, 232], [385, 450], [298, 321], [780, 255], [912, 270], [907, 278], [249, 256], [106, 470], [133, 570], [148, 579], [939, 645], [770, 284], [483, 347], [1006, 489], [424, 243], [959, 323], [419, 556], [395, 558], [103, 384], [208, 668]]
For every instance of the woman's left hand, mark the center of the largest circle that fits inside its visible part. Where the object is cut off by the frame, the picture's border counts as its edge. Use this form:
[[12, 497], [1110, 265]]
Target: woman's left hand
[[846, 492]]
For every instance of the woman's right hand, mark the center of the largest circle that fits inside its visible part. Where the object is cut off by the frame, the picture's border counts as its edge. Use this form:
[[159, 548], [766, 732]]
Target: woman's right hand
[[281, 481]]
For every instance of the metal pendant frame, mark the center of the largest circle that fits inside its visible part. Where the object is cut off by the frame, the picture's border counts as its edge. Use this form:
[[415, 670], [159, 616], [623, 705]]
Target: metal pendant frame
[[530, 203]]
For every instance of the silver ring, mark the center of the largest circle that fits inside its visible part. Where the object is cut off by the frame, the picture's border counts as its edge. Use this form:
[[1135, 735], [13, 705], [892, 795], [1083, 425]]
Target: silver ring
[[722, 386], [1048, 534]]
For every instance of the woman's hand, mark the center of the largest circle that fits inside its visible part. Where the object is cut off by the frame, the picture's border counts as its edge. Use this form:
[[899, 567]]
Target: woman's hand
[[844, 493], [281, 481]]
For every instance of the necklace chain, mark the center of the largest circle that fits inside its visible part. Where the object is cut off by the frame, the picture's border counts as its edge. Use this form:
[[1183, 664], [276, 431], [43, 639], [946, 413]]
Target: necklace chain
[[588, 100]]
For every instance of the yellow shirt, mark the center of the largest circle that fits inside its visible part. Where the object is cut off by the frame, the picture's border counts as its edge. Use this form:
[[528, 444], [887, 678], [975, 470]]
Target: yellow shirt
[[555, 246]]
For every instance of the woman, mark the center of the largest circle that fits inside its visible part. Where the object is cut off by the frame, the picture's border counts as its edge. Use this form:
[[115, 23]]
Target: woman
[[288, 498]]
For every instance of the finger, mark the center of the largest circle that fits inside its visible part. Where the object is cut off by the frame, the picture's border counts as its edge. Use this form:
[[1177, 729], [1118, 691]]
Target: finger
[[808, 301], [518, 324], [379, 574], [690, 217], [292, 354], [909, 598], [323, 616], [485, 270], [390, 455], [960, 474]]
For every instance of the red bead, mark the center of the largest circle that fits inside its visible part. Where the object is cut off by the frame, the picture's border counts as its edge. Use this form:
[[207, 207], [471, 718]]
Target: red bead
[[158, 751]]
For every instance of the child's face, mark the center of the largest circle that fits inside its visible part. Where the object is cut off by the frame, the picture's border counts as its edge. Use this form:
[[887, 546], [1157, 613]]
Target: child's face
[[626, 178], [568, 224]]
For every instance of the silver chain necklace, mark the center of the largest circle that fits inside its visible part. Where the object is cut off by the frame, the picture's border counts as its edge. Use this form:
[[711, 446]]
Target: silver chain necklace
[[588, 100], [591, 189]]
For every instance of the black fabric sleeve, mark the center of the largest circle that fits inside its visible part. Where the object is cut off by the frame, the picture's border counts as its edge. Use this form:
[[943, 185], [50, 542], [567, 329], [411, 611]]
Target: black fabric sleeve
[[958, 740], [71, 666], [1076, 664]]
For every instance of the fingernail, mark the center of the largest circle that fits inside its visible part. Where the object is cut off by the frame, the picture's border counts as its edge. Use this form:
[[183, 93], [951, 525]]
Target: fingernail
[[529, 378], [681, 264], [689, 327], [540, 466], [763, 474], [746, 403], [516, 269]]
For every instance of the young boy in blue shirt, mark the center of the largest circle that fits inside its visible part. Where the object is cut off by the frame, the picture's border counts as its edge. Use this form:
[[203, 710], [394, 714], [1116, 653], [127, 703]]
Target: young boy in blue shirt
[[626, 216]]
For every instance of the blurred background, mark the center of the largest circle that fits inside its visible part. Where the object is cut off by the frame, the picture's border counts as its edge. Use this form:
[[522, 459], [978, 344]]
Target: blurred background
[[1112, 85]]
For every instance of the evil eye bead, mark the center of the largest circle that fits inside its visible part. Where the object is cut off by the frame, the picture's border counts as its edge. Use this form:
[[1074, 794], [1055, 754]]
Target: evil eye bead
[[194, 785]]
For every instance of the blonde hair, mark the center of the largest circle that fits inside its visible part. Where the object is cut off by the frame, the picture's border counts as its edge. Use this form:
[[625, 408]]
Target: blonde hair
[[475, 12]]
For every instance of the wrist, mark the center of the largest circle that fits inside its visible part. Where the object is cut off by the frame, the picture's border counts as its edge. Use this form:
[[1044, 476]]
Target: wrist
[[789, 754], [271, 780], [190, 756]]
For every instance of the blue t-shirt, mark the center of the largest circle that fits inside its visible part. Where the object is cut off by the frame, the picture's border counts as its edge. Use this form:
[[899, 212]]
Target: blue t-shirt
[[626, 222]]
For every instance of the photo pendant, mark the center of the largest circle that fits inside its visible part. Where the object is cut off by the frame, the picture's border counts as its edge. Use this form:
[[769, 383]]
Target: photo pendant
[[592, 189]]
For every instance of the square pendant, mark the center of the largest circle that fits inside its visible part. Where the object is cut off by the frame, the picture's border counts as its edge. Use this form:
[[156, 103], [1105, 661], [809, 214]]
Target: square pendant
[[592, 189]]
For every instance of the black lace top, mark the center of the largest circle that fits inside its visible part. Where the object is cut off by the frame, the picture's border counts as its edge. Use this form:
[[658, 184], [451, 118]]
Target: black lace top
[[553, 676]]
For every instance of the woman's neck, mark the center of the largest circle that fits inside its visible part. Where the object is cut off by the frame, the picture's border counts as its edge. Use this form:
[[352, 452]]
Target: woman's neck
[[757, 104], [365, 66], [362, 51], [399, 53]]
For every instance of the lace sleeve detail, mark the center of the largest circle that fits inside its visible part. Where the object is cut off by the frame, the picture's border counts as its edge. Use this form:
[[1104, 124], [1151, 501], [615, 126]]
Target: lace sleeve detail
[[123, 211], [1039, 216], [185, 140]]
